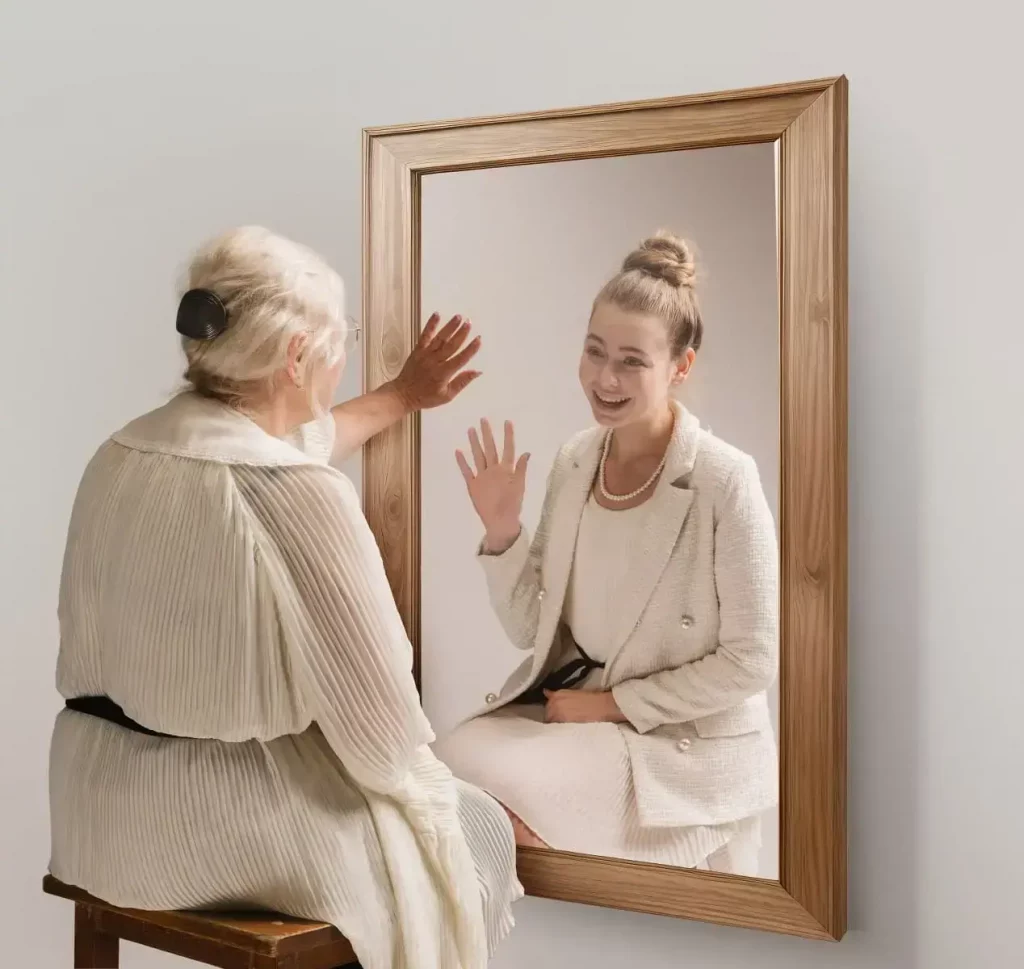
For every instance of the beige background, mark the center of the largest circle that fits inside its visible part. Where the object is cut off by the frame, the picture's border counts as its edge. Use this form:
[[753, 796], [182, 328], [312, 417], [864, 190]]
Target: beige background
[[132, 131], [522, 252]]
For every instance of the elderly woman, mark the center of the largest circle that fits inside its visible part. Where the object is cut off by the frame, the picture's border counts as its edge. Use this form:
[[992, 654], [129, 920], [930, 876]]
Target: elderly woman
[[242, 726]]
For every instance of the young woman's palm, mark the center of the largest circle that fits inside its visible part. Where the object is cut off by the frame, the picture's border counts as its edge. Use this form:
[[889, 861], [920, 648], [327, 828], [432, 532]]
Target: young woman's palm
[[497, 485]]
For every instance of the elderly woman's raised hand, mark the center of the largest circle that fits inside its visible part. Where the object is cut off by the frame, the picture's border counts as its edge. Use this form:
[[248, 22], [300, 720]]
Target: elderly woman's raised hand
[[435, 373], [496, 486]]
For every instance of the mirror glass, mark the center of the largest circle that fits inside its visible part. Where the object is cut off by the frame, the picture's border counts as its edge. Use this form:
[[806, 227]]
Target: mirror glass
[[610, 674]]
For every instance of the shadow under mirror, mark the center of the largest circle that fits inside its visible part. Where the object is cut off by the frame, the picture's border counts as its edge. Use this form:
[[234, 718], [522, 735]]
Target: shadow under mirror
[[610, 672]]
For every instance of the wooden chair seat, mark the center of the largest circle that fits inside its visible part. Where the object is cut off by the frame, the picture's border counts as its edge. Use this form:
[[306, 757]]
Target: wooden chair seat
[[261, 940]]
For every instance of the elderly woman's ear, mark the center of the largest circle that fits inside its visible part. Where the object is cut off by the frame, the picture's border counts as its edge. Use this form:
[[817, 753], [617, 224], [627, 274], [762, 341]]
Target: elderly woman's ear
[[296, 358]]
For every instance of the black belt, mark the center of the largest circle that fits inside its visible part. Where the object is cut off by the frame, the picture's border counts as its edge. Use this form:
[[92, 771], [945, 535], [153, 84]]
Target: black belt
[[106, 709], [564, 678]]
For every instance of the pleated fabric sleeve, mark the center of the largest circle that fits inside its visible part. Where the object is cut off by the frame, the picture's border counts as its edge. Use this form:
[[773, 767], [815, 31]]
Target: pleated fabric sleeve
[[353, 664], [353, 657]]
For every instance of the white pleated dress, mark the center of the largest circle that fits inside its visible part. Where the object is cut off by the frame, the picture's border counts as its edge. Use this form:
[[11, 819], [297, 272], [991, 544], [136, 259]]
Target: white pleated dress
[[571, 783], [223, 585]]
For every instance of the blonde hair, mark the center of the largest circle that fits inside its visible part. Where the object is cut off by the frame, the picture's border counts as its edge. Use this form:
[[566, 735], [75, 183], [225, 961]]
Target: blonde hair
[[658, 279], [273, 289]]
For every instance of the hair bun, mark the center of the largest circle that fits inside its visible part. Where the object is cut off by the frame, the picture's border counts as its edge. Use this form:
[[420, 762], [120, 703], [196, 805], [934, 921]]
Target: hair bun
[[201, 315], [663, 256]]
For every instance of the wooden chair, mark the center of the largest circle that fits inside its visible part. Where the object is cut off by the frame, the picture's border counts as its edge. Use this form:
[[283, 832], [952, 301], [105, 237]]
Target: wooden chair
[[235, 941]]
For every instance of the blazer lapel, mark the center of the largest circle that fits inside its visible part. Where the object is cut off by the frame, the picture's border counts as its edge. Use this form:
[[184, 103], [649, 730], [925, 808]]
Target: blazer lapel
[[668, 508], [561, 544]]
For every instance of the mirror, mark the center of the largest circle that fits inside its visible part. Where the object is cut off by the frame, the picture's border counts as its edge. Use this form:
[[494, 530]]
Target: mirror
[[523, 252], [646, 662]]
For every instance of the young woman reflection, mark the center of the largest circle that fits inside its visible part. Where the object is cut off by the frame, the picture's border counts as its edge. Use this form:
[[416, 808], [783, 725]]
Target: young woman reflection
[[638, 726]]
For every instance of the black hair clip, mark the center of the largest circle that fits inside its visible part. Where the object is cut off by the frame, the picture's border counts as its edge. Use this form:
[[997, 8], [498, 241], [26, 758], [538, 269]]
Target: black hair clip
[[201, 315]]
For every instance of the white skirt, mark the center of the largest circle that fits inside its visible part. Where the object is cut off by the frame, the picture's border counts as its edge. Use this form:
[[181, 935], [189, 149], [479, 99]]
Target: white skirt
[[572, 784]]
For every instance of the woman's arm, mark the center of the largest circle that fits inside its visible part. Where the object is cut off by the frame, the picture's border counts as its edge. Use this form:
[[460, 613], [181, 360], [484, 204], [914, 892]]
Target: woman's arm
[[747, 657], [352, 658], [363, 417], [514, 576], [432, 375]]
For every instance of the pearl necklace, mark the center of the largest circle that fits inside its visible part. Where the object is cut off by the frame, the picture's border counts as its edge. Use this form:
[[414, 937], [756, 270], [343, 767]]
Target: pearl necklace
[[605, 493]]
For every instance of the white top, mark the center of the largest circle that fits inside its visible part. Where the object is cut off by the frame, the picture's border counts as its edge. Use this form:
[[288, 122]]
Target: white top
[[220, 583], [599, 567]]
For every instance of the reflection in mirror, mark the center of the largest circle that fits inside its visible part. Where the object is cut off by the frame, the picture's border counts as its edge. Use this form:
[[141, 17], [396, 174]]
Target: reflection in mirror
[[599, 643]]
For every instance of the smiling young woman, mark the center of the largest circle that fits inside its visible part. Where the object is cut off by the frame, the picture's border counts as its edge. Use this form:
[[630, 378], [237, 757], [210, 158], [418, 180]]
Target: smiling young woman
[[648, 740]]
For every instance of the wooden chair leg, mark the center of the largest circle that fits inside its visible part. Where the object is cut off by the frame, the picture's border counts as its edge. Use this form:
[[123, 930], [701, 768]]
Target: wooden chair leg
[[94, 949]]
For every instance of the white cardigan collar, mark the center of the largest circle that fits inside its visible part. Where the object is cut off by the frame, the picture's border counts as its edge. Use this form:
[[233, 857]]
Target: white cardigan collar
[[192, 426]]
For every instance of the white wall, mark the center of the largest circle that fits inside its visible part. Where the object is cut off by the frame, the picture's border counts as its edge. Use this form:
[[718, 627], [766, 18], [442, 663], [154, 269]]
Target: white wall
[[132, 130], [523, 251]]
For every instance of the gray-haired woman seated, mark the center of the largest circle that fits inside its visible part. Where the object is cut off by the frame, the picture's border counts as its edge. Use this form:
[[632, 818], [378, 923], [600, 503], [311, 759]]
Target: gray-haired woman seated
[[243, 728]]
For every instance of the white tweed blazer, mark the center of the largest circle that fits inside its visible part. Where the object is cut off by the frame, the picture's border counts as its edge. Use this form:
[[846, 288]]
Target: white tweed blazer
[[697, 628], [223, 585]]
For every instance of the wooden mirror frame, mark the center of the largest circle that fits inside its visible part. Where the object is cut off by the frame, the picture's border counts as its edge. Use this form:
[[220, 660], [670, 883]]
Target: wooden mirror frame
[[810, 121]]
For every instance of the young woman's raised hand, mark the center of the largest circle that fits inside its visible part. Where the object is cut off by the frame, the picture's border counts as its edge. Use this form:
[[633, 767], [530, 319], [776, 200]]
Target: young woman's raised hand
[[496, 486]]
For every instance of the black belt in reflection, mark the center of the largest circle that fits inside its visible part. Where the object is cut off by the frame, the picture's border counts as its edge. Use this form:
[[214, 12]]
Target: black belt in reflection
[[564, 678], [106, 709]]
